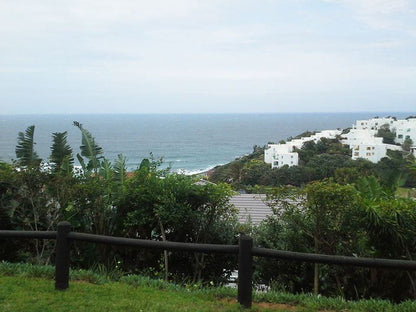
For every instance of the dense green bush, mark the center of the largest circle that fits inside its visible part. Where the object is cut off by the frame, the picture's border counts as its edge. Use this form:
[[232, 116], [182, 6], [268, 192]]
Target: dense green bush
[[365, 220], [102, 198]]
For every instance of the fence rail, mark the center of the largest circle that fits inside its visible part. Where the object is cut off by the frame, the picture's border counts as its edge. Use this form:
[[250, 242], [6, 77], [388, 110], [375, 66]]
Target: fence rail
[[144, 243], [244, 249], [338, 260]]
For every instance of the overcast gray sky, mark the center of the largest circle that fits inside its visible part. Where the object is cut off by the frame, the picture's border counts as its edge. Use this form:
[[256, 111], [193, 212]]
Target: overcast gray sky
[[208, 56]]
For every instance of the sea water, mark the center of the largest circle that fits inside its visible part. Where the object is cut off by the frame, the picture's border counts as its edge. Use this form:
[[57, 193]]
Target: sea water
[[188, 142]]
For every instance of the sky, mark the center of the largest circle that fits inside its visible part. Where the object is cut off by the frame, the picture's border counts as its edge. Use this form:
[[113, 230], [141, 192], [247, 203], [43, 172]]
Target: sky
[[207, 56]]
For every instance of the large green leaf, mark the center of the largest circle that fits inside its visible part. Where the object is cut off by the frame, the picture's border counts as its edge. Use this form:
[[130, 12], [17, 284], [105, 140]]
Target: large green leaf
[[25, 151], [89, 149], [120, 169]]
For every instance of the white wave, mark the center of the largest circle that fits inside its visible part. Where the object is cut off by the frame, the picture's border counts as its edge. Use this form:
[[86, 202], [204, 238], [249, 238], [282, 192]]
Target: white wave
[[195, 171]]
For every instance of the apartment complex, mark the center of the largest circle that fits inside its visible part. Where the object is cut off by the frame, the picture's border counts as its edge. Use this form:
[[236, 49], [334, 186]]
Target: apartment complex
[[361, 139], [279, 155], [364, 144], [403, 128]]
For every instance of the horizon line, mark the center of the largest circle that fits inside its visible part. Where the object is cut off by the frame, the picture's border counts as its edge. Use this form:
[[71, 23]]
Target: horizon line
[[212, 113]]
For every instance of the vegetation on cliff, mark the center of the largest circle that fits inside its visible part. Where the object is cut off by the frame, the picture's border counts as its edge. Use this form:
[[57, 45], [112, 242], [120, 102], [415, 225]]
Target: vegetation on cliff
[[327, 158]]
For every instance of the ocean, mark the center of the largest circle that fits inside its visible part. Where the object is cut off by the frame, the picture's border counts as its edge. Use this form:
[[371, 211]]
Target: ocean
[[189, 143]]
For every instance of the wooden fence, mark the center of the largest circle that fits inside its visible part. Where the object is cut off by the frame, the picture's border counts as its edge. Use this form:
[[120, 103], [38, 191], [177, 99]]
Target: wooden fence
[[244, 249]]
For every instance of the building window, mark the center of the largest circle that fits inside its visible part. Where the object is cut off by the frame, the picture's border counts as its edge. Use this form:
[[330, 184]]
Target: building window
[[368, 154], [276, 163], [407, 136], [368, 148], [356, 154], [400, 136], [408, 130]]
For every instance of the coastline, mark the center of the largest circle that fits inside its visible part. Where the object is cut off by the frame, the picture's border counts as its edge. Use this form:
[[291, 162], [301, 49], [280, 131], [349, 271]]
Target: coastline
[[192, 144]]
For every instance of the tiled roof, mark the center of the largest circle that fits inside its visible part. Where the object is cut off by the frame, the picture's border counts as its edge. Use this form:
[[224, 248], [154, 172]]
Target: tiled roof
[[251, 207]]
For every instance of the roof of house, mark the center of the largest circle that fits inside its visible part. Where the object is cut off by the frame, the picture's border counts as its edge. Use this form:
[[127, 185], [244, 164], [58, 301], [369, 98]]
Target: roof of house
[[251, 207]]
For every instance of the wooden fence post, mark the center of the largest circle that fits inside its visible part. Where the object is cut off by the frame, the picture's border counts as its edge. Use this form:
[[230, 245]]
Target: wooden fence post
[[245, 271], [62, 256]]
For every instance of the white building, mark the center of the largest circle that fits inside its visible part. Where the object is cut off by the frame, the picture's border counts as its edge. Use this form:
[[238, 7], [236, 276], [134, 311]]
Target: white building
[[289, 159], [358, 136], [361, 139], [364, 144], [329, 134], [279, 155], [405, 129], [372, 151], [374, 123]]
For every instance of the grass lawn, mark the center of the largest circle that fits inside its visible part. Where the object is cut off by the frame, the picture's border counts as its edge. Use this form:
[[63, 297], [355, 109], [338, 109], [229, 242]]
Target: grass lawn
[[31, 288], [34, 294]]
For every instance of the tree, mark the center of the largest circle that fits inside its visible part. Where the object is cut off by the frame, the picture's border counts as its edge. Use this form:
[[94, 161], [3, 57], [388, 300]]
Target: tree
[[61, 154], [167, 206], [284, 230], [8, 203], [387, 135], [321, 218], [390, 224], [25, 149], [407, 144], [329, 208], [325, 165], [90, 150], [392, 170], [252, 172]]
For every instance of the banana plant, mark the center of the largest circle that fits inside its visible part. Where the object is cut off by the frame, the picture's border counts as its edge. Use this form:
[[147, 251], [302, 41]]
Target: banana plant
[[90, 150], [120, 171], [25, 149]]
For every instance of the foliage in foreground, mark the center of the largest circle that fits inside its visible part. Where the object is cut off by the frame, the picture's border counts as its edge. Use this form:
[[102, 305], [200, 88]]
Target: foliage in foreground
[[30, 287], [102, 198], [356, 216], [363, 219]]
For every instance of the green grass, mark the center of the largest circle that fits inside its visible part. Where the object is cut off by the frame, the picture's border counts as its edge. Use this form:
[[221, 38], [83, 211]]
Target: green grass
[[26, 287], [34, 294]]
